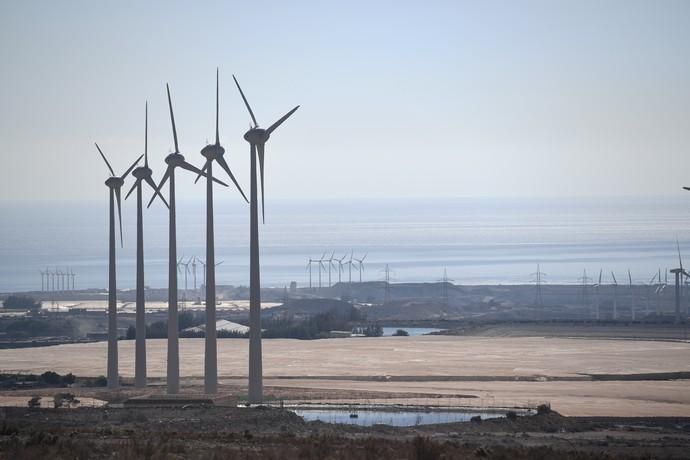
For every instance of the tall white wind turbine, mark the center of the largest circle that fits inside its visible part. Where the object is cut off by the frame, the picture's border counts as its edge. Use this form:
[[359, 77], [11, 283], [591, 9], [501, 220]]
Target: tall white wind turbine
[[114, 184], [257, 138]]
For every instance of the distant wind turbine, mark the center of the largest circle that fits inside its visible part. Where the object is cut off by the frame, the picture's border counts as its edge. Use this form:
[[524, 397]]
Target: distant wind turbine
[[615, 297], [360, 262], [679, 273], [114, 184]]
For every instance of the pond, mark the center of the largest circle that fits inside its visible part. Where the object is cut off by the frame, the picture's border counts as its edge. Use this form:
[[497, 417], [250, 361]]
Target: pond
[[411, 331], [393, 418]]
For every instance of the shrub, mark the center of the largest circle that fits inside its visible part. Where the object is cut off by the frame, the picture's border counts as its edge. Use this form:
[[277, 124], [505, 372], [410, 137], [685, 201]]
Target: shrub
[[543, 409], [401, 333], [511, 415], [476, 419], [68, 379], [50, 378], [35, 401]]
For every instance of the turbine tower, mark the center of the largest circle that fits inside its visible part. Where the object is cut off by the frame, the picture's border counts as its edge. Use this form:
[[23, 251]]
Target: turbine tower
[[615, 297], [257, 138], [174, 160], [143, 174], [114, 184], [212, 152]]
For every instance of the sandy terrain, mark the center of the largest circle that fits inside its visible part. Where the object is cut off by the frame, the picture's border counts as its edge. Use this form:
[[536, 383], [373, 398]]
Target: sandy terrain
[[414, 356], [480, 363]]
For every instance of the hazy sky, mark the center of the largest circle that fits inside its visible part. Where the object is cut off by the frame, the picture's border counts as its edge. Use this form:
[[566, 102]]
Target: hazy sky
[[438, 98]]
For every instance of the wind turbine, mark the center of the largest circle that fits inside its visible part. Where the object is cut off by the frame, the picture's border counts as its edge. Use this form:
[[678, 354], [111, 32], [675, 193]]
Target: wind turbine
[[615, 297], [311, 261], [143, 175], [73, 275], [360, 262], [340, 268], [194, 273], [632, 296], [59, 278], [42, 276], [598, 287], [114, 184], [679, 272], [174, 160], [257, 138], [349, 263], [330, 264], [322, 267], [212, 152]]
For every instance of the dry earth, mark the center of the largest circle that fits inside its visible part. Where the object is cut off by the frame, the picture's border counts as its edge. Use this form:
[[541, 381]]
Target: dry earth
[[429, 365]]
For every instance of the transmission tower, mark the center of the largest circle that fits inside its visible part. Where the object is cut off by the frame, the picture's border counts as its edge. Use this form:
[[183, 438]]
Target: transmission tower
[[538, 279], [445, 281], [584, 280]]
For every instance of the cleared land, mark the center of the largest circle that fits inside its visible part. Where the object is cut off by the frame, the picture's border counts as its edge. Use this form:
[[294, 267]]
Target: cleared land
[[500, 369]]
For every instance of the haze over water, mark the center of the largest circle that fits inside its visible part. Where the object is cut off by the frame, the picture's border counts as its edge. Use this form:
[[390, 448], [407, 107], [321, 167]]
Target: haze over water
[[479, 241]]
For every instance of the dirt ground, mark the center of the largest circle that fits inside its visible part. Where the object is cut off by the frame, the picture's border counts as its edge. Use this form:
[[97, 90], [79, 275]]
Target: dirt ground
[[493, 370]]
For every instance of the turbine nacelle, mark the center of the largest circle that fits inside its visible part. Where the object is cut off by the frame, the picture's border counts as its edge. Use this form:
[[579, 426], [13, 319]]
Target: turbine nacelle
[[142, 172], [257, 136], [213, 151], [115, 182], [175, 159]]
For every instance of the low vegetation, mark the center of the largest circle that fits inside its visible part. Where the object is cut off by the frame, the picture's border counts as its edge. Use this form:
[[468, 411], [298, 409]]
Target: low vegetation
[[21, 302], [312, 327], [46, 380]]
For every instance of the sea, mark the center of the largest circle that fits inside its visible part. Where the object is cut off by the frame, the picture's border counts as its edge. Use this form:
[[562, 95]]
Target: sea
[[464, 240]]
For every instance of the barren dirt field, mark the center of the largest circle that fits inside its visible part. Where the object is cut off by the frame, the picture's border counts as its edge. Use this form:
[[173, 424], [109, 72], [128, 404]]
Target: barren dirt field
[[517, 370]]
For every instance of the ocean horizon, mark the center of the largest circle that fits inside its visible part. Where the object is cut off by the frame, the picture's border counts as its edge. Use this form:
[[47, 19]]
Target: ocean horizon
[[477, 241]]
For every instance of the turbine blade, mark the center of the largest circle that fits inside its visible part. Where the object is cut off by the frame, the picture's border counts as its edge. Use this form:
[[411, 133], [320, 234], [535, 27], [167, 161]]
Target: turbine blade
[[105, 159], [680, 260], [164, 179], [203, 169], [223, 164], [217, 136], [172, 118], [131, 167], [261, 172], [119, 213], [132, 189], [246, 102], [686, 188], [282, 119], [152, 184], [189, 167], [146, 136]]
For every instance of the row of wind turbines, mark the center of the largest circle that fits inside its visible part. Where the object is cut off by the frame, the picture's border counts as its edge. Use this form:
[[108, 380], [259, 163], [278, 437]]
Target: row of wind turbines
[[57, 280], [336, 264], [257, 138], [194, 262]]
